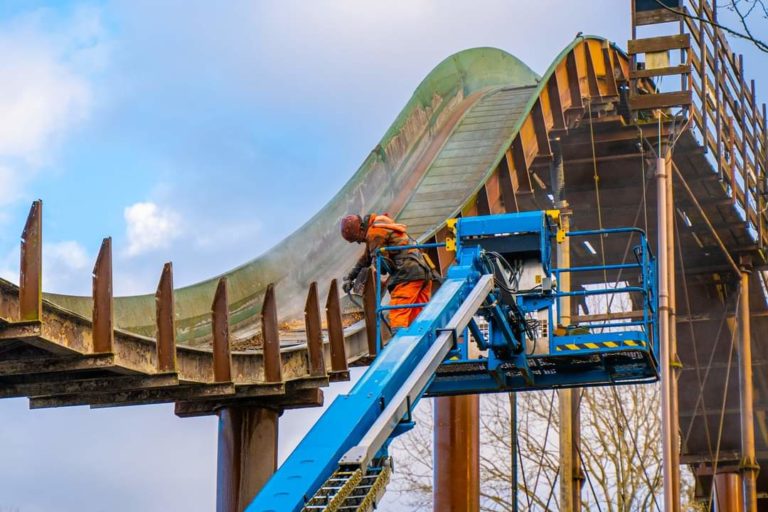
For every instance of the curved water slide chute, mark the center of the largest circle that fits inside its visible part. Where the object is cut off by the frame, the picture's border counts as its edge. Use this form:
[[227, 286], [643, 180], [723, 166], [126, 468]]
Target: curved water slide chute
[[472, 140]]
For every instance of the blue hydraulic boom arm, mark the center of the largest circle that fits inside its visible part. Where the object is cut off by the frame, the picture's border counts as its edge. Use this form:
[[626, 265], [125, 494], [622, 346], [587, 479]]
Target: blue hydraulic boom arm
[[342, 463]]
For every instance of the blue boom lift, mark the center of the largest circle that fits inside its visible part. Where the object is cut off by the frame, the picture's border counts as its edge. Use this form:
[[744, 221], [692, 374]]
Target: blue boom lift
[[493, 325]]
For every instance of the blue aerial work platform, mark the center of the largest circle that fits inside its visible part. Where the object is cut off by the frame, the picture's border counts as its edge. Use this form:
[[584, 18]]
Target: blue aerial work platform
[[493, 325]]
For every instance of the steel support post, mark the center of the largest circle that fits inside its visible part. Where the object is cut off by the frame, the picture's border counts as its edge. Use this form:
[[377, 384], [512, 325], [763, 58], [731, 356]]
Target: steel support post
[[457, 454], [748, 465], [247, 455], [667, 377], [570, 424], [728, 492], [513, 449], [674, 361]]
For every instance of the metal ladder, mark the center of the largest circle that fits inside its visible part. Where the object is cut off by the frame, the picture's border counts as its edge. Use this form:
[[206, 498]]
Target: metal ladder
[[352, 490]]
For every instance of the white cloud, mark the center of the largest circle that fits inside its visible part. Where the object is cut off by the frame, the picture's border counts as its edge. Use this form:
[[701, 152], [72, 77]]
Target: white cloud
[[9, 183], [148, 227], [68, 254], [39, 99], [45, 89], [66, 267]]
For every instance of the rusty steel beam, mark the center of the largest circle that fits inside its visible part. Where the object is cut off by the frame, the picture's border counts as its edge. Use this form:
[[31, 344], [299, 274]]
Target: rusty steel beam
[[292, 399], [31, 270], [508, 183], [574, 84], [748, 466], [594, 88], [270, 330], [705, 217], [314, 330], [222, 355], [728, 495], [135, 396], [457, 454], [568, 399], [556, 104], [96, 385], [103, 314], [369, 310], [674, 402], [664, 363], [336, 332], [56, 364], [247, 455], [166, 321], [613, 88]]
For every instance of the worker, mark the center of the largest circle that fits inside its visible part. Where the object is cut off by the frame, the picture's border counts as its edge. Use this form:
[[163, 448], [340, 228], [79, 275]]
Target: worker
[[410, 271]]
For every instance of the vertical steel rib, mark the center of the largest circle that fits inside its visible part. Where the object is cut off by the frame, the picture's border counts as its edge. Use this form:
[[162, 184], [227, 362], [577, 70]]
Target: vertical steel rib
[[31, 269], [270, 334], [103, 314], [222, 356], [335, 330], [166, 322], [314, 330]]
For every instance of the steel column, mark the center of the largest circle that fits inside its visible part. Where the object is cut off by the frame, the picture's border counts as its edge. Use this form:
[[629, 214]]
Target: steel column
[[570, 424], [667, 378], [728, 492], [748, 465], [457, 454], [247, 455], [674, 363]]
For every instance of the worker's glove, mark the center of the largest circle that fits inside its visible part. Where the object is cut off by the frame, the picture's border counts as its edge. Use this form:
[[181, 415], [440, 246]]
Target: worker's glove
[[349, 279]]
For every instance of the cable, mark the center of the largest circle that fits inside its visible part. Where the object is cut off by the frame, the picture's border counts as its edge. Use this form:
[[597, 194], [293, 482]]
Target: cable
[[589, 480], [700, 396], [722, 408], [544, 445], [552, 491], [596, 178], [522, 469], [692, 333]]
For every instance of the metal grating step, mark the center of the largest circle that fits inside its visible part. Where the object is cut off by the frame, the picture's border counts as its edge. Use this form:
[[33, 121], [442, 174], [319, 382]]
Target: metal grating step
[[348, 491]]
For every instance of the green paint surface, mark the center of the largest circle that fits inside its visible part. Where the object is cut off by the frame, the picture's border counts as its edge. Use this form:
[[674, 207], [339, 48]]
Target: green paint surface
[[315, 252]]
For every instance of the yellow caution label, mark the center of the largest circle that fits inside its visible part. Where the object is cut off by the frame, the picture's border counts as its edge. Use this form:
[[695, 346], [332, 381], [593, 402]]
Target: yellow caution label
[[603, 344]]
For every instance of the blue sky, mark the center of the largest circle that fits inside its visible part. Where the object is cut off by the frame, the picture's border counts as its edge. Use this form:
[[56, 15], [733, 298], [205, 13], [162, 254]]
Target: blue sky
[[204, 135]]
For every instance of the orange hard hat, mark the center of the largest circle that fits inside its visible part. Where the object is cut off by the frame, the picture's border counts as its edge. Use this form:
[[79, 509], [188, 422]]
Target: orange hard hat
[[351, 228]]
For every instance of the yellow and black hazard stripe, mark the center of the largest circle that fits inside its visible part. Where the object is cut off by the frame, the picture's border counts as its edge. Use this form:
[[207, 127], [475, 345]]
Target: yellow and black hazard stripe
[[602, 344]]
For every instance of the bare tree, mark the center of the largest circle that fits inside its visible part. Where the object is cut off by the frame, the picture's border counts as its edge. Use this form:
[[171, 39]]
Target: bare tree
[[748, 13], [620, 451]]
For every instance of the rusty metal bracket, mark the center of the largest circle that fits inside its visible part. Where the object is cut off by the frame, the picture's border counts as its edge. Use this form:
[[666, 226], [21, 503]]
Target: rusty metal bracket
[[166, 322], [103, 314], [314, 330], [336, 333], [222, 355], [273, 368], [31, 270]]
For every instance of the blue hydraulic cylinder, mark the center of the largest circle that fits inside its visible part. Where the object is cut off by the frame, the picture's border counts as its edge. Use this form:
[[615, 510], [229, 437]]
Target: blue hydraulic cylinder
[[350, 416]]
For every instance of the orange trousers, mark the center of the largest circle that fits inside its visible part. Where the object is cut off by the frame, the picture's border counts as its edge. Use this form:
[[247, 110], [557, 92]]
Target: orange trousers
[[412, 292]]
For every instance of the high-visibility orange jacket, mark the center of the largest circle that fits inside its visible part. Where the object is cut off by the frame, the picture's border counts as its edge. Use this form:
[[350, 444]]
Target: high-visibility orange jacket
[[402, 266]]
